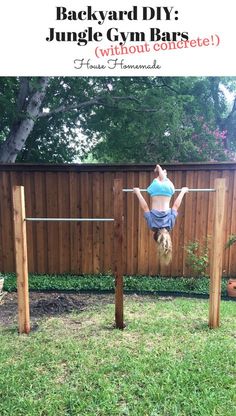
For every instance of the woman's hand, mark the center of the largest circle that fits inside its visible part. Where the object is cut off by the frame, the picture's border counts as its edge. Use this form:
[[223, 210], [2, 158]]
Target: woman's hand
[[157, 168], [162, 173]]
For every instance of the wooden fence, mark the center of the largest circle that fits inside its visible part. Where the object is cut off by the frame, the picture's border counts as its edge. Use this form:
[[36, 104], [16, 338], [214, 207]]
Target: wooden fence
[[86, 191]]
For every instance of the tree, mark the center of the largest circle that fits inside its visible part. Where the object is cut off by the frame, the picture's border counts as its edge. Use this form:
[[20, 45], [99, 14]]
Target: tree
[[188, 122], [41, 116], [27, 109], [131, 119]]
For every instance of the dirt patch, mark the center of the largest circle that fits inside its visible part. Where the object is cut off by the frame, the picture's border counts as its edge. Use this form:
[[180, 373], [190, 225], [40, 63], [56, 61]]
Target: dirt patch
[[50, 304], [47, 304]]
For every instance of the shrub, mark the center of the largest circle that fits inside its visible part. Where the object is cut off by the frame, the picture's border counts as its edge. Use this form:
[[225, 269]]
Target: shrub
[[231, 241], [197, 257]]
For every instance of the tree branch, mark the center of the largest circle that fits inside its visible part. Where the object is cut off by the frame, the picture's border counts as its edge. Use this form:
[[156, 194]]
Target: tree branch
[[74, 106], [169, 87], [20, 130], [23, 93], [93, 101], [234, 106], [232, 111]]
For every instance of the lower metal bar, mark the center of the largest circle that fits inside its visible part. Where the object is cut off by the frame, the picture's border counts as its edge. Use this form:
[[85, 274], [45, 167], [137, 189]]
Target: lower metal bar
[[69, 219]]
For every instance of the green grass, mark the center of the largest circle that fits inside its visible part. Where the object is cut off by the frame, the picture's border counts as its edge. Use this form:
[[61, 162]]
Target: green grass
[[106, 282], [166, 362]]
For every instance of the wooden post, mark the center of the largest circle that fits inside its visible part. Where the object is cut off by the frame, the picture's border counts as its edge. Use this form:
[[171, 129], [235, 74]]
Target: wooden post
[[21, 259], [217, 253], [118, 255]]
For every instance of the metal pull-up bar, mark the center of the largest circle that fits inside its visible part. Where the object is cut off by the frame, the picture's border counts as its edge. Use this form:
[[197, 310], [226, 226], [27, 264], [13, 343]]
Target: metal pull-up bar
[[177, 190], [70, 219]]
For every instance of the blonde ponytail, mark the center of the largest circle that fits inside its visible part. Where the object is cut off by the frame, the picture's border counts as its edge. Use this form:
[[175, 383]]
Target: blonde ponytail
[[164, 245]]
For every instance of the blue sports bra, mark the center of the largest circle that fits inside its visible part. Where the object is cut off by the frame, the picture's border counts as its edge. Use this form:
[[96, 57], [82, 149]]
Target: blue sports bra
[[161, 188]]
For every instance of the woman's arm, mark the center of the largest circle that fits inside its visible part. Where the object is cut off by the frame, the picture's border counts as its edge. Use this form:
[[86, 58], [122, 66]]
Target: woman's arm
[[143, 204], [178, 200]]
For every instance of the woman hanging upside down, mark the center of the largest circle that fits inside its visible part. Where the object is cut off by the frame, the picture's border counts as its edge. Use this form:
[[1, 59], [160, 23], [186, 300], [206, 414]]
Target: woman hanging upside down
[[161, 218]]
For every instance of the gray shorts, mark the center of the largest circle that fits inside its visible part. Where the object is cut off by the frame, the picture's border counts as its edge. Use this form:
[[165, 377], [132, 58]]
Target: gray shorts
[[160, 219]]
